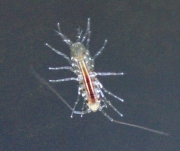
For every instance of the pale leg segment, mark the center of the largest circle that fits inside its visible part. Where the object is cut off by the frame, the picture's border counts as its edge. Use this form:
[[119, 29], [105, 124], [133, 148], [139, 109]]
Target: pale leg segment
[[87, 34], [112, 106], [100, 51], [113, 95], [75, 105], [59, 53], [66, 40], [105, 114], [65, 79], [60, 68], [109, 73], [84, 102]]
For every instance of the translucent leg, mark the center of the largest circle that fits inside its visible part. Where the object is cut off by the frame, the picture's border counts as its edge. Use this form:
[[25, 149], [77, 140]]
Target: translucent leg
[[105, 114], [87, 34], [59, 53], [79, 35], [110, 93], [66, 79], [140, 127], [66, 40], [84, 102], [109, 73], [57, 93], [60, 68], [75, 106], [82, 112], [100, 51], [102, 95], [88, 110], [133, 125], [110, 104]]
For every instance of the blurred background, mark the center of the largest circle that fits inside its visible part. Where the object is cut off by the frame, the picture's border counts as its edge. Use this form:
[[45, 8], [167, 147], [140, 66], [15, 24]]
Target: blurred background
[[143, 41]]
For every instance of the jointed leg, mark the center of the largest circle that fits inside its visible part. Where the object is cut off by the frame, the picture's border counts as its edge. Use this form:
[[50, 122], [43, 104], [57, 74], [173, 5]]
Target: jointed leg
[[60, 68], [113, 95], [59, 53], [100, 51], [105, 114], [109, 73], [75, 106], [66, 40], [112, 106], [87, 34], [66, 79], [79, 34]]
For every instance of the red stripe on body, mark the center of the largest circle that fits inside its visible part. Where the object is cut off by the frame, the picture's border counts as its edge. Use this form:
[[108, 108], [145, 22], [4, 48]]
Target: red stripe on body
[[88, 82]]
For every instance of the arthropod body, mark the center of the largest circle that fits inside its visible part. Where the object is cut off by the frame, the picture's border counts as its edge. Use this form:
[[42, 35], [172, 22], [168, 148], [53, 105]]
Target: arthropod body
[[90, 88], [82, 64]]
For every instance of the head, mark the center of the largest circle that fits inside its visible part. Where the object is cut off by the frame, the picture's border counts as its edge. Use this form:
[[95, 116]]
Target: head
[[78, 50]]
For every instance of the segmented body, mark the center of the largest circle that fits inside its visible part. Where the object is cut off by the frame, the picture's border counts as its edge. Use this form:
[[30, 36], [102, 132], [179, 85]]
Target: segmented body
[[90, 88], [82, 64]]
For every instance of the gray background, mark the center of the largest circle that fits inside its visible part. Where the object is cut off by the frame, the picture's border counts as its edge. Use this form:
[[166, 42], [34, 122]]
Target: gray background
[[143, 41]]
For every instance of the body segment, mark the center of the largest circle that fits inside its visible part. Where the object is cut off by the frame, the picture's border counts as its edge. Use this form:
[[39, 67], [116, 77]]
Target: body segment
[[90, 88]]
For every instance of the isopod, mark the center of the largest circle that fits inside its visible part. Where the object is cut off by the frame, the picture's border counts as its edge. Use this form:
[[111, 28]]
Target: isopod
[[90, 88]]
